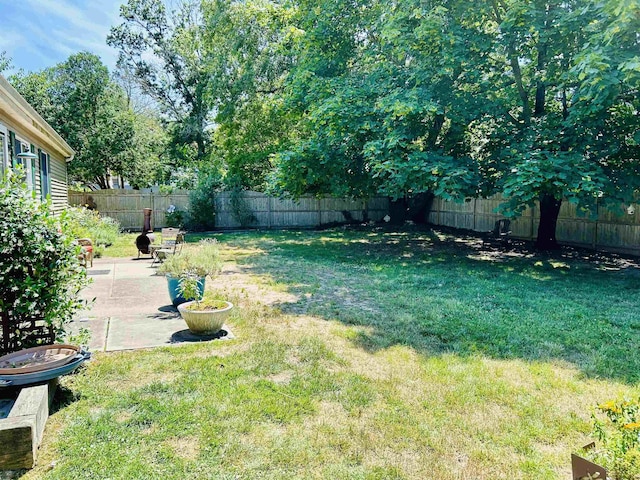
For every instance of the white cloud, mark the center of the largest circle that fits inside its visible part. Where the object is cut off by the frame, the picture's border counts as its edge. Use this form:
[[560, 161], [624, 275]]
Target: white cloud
[[51, 30]]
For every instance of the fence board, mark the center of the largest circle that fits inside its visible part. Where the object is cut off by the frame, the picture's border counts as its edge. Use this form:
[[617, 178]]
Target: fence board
[[126, 207], [613, 230]]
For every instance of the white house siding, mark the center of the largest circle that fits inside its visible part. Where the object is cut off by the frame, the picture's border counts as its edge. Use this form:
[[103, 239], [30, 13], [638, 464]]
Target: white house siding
[[59, 189], [22, 121]]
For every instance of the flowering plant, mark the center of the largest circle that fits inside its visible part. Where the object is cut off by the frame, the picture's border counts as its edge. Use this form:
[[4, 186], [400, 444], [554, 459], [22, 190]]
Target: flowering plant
[[174, 217], [617, 427], [40, 277]]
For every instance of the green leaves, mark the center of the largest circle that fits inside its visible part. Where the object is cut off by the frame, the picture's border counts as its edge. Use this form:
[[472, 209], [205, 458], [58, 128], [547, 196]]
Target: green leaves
[[90, 112], [39, 272], [164, 51]]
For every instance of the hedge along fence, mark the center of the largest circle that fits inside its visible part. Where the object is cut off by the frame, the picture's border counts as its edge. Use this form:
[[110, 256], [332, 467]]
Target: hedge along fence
[[611, 231], [126, 207]]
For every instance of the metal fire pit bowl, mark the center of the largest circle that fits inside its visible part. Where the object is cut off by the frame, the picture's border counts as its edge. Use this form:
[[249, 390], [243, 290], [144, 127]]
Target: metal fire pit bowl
[[22, 379]]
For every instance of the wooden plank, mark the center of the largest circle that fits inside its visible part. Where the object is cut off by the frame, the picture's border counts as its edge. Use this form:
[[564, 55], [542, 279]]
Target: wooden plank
[[33, 401], [616, 230], [19, 434]]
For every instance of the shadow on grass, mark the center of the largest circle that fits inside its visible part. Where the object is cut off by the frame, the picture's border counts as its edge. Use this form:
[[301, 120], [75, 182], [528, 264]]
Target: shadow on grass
[[63, 398], [438, 292]]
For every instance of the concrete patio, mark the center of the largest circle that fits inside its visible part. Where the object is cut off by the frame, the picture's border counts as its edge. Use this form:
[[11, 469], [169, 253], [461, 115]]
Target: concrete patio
[[131, 309]]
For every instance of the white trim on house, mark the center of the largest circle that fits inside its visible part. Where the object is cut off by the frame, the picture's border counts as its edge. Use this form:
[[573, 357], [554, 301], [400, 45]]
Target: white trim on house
[[5, 159], [27, 163]]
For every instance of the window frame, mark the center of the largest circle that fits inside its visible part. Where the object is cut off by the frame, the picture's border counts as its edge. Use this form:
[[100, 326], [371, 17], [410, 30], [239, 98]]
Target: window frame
[[26, 163], [45, 180], [6, 158]]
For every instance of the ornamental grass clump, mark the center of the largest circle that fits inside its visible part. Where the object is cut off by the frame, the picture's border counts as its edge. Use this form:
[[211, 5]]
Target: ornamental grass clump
[[617, 428], [40, 276], [194, 263]]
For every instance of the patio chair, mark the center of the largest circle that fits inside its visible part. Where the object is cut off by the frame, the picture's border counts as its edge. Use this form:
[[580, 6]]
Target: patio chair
[[168, 238], [170, 247], [169, 234], [86, 251]]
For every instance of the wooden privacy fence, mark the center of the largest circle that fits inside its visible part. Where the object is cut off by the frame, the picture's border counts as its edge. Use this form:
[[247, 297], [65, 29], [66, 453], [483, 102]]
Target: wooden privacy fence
[[611, 231], [126, 207]]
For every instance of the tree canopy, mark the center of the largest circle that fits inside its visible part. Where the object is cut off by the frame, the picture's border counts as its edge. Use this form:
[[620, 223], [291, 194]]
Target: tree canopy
[[537, 101], [78, 98], [163, 50]]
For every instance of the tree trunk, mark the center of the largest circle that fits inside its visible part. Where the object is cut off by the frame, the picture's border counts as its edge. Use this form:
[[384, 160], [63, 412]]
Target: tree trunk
[[201, 146], [434, 131], [415, 208], [549, 210], [102, 183]]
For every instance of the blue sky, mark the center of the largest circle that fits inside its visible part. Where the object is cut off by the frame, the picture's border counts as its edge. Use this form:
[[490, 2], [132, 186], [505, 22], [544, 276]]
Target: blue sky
[[40, 33]]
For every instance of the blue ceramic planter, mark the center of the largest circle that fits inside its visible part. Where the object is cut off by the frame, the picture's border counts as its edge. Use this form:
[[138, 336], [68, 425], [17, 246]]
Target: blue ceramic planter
[[174, 290]]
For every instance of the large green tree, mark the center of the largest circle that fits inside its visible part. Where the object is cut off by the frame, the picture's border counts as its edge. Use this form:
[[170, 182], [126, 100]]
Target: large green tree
[[536, 100], [249, 55], [79, 100], [163, 50], [573, 105]]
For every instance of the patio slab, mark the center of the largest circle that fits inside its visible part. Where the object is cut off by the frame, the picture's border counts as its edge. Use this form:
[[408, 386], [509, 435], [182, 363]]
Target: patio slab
[[130, 310], [98, 329], [132, 333]]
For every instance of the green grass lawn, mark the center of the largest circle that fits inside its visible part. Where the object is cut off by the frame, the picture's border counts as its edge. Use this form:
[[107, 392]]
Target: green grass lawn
[[366, 355]]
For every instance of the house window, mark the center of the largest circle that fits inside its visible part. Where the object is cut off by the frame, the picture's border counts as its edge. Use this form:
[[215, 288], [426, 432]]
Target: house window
[[45, 174], [27, 163]]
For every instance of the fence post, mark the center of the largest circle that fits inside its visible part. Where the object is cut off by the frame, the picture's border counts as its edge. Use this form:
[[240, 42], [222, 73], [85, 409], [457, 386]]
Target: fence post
[[269, 221], [475, 200], [153, 209]]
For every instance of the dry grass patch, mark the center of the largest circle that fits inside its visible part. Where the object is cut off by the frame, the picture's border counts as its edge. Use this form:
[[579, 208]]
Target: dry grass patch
[[187, 448]]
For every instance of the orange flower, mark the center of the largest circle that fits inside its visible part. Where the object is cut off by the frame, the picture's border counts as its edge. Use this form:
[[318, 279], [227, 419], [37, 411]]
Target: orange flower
[[632, 426], [610, 406]]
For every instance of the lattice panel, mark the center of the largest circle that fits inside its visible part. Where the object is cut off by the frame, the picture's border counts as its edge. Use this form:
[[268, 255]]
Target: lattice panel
[[25, 333]]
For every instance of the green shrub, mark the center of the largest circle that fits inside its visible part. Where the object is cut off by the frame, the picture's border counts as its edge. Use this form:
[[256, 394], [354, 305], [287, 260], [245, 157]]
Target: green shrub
[[40, 277], [83, 223], [202, 203], [240, 208], [191, 265], [200, 260], [173, 217]]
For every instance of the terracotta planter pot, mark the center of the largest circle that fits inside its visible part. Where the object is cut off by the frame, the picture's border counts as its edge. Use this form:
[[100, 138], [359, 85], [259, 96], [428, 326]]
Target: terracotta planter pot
[[204, 322]]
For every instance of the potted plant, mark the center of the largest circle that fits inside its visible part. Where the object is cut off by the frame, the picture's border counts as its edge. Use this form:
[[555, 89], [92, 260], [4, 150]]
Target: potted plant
[[194, 264], [203, 316]]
